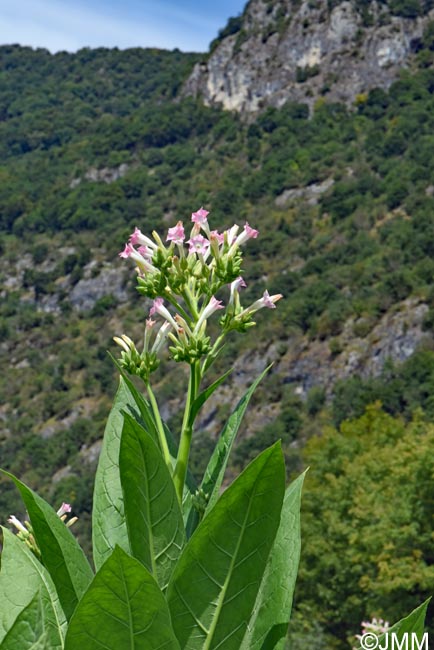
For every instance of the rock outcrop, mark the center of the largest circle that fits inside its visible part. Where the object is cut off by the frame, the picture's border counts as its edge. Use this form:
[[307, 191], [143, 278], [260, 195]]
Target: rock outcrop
[[302, 51]]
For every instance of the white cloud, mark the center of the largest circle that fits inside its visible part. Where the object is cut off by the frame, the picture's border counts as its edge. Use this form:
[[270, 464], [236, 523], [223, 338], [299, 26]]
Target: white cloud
[[61, 26]]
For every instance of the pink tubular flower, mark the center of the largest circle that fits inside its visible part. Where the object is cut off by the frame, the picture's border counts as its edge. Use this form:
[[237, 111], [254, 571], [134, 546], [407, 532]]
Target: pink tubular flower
[[148, 329], [145, 252], [268, 301], [219, 237], [198, 244], [231, 234], [139, 238], [127, 252], [18, 525], [158, 302], [200, 216], [138, 256], [265, 301], [248, 233], [161, 337], [237, 284], [176, 234], [64, 509], [159, 308], [211, 307]]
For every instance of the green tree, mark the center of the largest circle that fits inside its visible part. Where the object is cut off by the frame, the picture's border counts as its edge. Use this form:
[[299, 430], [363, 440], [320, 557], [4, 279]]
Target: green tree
[[368, 520]]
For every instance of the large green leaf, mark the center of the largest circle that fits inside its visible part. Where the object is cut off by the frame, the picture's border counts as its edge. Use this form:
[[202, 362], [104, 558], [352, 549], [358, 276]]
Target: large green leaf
[[108, 519], [213, 589], [22, 576], [152, 512], [61, 554], [142, 412], [410, 627], [215, 471], [123, 609], [28, 631], [144, 416], [269, 623]]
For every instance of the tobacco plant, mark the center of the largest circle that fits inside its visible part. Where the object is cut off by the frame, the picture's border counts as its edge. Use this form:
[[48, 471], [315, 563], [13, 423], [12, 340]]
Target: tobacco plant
[[176, 565]]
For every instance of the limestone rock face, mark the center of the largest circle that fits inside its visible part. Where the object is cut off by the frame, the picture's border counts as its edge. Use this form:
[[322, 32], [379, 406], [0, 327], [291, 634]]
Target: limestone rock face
[[301, 51]]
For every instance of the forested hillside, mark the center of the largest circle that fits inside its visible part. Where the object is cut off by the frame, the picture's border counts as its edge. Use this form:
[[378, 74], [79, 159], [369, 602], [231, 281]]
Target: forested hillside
[[95, 143]]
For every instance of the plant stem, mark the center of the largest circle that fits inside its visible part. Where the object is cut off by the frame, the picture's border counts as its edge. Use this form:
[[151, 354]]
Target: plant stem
[[186, 432], [160, 428], [180, 310], [211, 356]]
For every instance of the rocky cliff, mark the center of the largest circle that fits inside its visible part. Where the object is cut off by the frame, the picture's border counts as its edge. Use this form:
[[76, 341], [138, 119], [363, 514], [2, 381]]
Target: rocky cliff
[[286, 50]]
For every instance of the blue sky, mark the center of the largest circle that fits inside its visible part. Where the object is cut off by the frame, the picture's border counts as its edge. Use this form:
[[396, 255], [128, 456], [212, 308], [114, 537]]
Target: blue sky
[[189, 25]]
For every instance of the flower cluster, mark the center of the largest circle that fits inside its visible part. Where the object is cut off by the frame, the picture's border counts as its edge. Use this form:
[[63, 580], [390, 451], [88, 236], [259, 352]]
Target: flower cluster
[[186, 273], [25, 530], [377, 626]]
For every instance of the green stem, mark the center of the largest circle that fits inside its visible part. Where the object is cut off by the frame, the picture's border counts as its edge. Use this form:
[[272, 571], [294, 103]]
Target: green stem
[[180, 310], [210, 357], [191, 302], [180, 472], [160, 429]]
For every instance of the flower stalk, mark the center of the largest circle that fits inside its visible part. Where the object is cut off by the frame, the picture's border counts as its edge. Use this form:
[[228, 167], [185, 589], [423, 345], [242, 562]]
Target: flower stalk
[[180, 472]]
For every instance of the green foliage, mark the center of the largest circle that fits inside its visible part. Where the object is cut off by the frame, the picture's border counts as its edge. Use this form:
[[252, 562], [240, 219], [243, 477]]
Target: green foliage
[[22, 580], [233, 26], [123, 607], [152, 514], [402, 389], [245, 551], [303, 74], [60, 552], [271, 613], [28, 630], [214, 586], [368, 545]]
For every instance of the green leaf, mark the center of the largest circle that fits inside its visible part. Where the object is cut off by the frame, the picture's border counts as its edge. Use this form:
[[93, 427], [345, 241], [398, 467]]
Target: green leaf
[[108, 519], [153, 516], [28, 631], [215, 471], [61, 554], [411, 626], [213, 589], [143, 413], [22, 576], [269, 623], [145, 417], [123, 609], [204, 395]]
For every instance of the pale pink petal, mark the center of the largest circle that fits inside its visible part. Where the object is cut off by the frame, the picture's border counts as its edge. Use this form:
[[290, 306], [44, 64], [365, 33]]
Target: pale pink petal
[[219, 237], [237, 284], [211, 307], [198, 244], [270, 300], [145, 251], [176, 234], [139, 238], [64, 509], [158, 302], [200, 216], [127, 251], [250, 232]]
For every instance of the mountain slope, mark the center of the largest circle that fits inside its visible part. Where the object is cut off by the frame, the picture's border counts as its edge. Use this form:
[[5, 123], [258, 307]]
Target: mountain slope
[[288, 50]]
